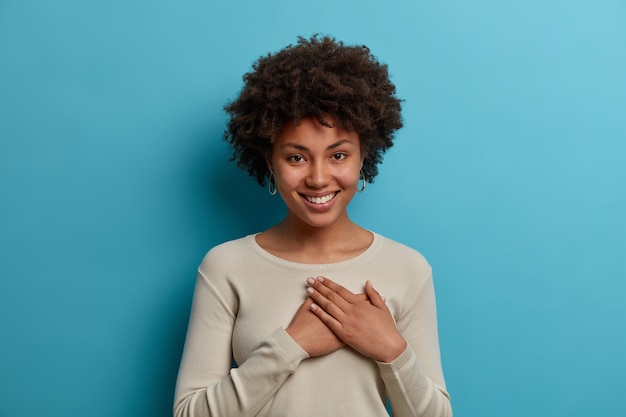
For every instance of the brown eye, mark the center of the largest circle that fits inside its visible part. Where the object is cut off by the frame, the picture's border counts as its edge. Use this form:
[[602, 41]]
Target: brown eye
[[339, 156]]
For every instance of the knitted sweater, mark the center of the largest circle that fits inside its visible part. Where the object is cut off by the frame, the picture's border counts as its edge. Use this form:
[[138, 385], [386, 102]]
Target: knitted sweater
[[244, 299]]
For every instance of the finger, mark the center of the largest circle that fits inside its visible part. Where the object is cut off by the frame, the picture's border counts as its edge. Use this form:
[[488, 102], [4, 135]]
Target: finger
[[327, 287], [374, 296], [328, 305], [317, 290], [333, 324]]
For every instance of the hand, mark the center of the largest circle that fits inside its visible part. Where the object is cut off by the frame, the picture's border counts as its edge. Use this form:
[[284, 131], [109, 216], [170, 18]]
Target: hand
[[311, 334], [364, 324]]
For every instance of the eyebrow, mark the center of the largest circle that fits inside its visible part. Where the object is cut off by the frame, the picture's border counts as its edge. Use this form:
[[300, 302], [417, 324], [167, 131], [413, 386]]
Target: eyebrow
[[304, 148]]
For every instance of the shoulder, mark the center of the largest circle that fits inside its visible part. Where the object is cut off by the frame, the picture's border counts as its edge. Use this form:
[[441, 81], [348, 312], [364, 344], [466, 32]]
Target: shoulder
[[402, 254], [227, 255], [401, 273], [231, 246]]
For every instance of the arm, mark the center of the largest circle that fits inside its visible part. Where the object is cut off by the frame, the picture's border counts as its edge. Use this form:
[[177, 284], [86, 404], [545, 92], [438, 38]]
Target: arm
[[206, 385], [414, 380], [416, 389]]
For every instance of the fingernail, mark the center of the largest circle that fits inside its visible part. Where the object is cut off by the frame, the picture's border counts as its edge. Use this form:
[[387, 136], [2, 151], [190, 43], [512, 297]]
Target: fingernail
[[310, 290], [310, 281], [313, 307], [320, 279], [384, 299]]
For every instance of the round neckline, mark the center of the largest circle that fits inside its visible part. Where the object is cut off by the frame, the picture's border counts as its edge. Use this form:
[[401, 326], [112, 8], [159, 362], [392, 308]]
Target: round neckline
[[373, 247]]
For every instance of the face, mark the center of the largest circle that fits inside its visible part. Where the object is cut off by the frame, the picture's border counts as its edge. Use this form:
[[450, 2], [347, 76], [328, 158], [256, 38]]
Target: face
[[317, 171]]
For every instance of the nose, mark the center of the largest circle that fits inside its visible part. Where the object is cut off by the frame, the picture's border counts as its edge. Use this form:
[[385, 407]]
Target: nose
[[318, 175]]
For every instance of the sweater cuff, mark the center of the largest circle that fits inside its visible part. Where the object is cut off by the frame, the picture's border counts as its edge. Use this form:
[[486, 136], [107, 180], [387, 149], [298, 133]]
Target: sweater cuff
[[291, 348], [406, 358]]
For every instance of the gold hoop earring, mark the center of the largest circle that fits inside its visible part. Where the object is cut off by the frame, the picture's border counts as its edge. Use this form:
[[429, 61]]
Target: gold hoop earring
[[271, 184], [361, 178]]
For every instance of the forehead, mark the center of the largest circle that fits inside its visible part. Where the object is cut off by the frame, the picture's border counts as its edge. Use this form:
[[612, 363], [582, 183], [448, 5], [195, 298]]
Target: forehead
[[311, 131]]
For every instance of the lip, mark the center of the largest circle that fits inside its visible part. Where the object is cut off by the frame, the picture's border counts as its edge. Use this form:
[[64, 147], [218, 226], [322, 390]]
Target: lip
[[320, 206]]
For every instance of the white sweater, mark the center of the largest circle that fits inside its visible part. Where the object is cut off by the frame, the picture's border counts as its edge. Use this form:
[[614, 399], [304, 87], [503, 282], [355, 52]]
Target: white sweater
[[245, 298]]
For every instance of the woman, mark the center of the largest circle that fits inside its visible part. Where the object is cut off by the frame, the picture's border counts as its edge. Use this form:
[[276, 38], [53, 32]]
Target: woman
[[299, 306]]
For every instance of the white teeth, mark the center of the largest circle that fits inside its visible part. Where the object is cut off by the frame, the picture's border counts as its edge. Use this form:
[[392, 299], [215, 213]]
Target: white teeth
[[320, 200]]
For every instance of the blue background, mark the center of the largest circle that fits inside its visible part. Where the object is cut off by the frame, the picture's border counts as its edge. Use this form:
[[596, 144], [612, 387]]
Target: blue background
[[509, 176]]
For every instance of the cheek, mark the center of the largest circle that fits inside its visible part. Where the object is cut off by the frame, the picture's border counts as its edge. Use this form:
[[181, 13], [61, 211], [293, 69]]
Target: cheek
[[350, 177], [286, 179]]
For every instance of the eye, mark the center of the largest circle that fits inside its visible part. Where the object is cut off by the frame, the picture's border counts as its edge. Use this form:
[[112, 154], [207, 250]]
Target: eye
[[295, 158], [339, 156]]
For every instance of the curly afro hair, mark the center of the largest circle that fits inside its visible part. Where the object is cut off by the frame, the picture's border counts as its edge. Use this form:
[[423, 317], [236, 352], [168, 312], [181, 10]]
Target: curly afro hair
[[318, 77]]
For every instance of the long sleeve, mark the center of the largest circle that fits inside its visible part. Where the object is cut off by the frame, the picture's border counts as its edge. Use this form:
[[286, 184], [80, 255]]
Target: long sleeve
[[206, 385], [244, 299], [414, 380]]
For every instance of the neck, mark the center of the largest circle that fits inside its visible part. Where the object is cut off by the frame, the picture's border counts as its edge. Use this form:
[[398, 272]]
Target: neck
[[291, 227], [335, 242], [297, 241]]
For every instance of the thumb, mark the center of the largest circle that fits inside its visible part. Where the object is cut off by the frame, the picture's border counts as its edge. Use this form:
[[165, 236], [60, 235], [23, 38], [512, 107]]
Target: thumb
[[373, 295]]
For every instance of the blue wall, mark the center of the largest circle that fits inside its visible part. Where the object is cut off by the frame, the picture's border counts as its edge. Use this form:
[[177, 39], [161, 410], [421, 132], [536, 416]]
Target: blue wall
[[509, 176]]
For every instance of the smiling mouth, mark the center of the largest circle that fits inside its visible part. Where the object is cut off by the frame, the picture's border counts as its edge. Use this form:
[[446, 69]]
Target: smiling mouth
[[320, 200]]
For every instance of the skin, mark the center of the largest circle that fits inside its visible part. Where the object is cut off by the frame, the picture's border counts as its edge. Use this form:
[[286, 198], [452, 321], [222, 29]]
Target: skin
[[311, 161], [364, 323]]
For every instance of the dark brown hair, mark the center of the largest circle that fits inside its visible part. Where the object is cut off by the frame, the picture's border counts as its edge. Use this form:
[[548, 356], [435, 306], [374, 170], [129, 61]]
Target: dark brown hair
[[317, 77]]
